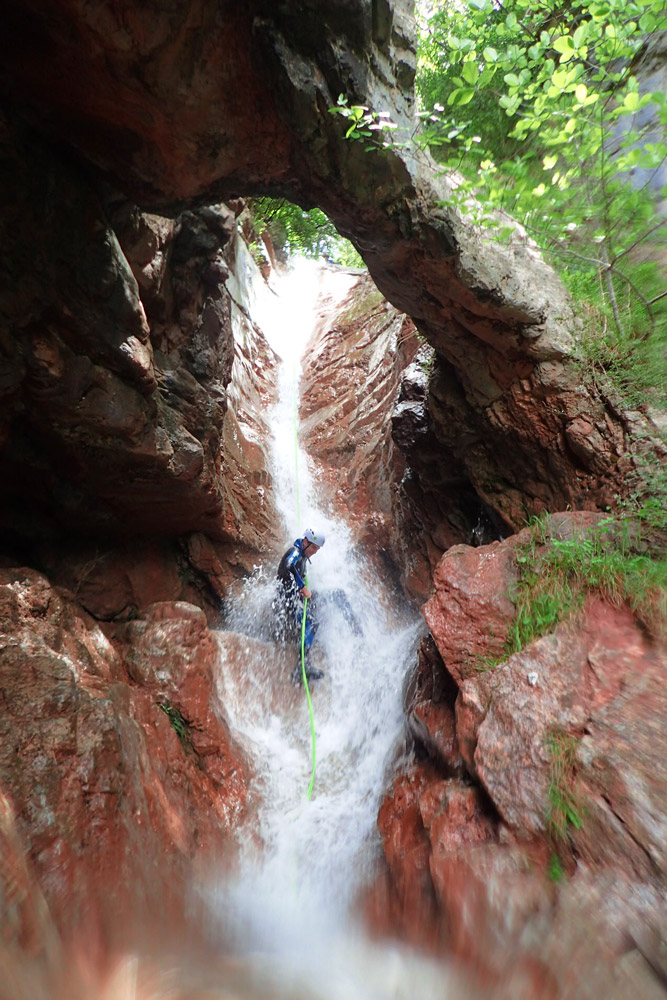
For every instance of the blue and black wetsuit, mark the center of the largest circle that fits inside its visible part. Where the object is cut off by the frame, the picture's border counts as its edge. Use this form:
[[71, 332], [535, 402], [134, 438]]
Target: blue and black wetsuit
[[292, 576]]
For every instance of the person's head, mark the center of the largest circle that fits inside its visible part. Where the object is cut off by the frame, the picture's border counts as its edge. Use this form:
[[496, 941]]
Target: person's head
[[312, 542]]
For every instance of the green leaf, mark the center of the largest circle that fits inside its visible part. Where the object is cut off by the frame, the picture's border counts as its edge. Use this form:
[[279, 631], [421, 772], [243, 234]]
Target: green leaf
[[580, 34], [470, 72], [581, 93], [490, 54], [512, 80], [564, 44], [631, 101], [461, 96], [549, 162]]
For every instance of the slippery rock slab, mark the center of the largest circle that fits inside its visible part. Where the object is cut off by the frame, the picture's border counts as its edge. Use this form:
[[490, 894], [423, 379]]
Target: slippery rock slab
[[407, 849]]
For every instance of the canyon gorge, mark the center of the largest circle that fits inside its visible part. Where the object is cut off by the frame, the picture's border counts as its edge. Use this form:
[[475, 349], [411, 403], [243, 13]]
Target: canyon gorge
[[487, 819]]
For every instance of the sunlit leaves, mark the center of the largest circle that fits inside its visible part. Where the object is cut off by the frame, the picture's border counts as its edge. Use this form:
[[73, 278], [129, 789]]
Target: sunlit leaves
[[461, 96], [564, 45], [470, 73], [540, 114]]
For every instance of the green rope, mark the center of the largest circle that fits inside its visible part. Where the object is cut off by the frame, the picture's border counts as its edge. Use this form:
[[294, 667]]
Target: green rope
[[310, 703], [305, 600]]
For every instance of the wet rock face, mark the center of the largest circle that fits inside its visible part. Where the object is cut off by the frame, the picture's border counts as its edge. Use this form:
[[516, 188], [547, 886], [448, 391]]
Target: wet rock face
[[86, 413], [354, 365], [505, 401], [364, 416], [99, 777], [130, 368], [558, 750]]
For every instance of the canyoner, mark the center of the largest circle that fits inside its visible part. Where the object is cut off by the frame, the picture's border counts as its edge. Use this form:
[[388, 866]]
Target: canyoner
[[291, 612]]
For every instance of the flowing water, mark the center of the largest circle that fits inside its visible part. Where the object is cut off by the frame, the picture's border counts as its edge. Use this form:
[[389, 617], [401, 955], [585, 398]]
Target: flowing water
[[291, 908]]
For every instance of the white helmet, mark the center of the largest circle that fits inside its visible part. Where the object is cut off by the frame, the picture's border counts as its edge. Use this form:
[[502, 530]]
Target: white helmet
[[316, 539]]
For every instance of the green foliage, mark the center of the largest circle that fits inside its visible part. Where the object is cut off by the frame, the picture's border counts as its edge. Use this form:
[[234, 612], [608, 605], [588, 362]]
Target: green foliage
[[555, 871], [564, 809], [556, 575], [179, 724], [534, 111], [562, 77], [364, 125], [630, 367], [295, 231]]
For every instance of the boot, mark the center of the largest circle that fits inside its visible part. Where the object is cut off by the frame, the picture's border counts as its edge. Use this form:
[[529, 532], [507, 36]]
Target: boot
[[312, 673]]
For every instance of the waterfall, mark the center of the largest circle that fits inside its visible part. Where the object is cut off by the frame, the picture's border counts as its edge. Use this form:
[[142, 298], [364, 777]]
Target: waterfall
[[303, 862]]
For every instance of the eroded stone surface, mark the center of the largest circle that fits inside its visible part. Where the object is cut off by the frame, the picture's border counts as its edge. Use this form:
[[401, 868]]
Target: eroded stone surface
[[112, 807], [135, 390], [589, 694]]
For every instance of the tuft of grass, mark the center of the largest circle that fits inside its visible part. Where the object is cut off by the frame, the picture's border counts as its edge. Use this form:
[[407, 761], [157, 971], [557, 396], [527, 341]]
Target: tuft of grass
[[555, 871], [628, 363], [179, 724], [556, 575], [564, 809]]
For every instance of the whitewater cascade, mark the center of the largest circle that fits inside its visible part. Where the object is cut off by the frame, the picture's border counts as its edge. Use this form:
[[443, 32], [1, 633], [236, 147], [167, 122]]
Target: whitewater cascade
[[303, 862]]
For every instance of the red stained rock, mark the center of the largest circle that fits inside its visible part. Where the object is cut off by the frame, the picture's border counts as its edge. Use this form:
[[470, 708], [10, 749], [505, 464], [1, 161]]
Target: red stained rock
[[435, 727], [535, 692], [101, 783], [455, 817], [488, 895], [471, 610], [407, 850], [597, 680], [356, 356], [600, 676], [429, 708]]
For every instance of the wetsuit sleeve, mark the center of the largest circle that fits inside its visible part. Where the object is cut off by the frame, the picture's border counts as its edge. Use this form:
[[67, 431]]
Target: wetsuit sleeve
[[291, 566]]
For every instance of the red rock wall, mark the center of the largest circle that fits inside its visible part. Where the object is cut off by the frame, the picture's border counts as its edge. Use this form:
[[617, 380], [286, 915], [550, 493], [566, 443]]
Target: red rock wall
[[104, 805], [129, 476], [472, 829], [133, 456], [353, 367], [366, 420]]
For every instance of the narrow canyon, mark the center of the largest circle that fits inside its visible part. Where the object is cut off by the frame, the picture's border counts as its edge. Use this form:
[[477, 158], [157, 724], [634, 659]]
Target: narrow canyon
[[486, 815]]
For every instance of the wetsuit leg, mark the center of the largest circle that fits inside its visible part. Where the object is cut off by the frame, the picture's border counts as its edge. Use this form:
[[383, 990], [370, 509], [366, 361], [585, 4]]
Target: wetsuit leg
[[309, 634]]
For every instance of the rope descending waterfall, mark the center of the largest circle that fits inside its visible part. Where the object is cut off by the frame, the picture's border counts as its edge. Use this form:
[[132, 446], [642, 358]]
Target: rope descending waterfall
[[305, 600]]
